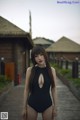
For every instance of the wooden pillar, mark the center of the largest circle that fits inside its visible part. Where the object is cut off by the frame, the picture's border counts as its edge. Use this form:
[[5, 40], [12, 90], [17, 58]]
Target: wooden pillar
[[75, 69]]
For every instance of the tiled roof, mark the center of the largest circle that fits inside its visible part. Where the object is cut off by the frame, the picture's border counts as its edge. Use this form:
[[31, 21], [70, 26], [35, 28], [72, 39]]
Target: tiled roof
[[41, 40], [64, 45], [8, 28]]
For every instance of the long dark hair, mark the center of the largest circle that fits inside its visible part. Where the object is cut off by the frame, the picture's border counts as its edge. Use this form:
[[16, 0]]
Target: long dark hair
[[35, 51]]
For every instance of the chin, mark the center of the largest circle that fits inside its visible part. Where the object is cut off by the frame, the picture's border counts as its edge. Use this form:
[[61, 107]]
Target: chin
[[42, 64]]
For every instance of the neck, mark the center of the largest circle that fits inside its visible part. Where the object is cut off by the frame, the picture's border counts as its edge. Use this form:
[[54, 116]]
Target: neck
[[41, 66]]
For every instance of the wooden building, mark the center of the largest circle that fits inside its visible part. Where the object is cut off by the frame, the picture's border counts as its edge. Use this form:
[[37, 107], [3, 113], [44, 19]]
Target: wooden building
[[64, 48], [15, 46]]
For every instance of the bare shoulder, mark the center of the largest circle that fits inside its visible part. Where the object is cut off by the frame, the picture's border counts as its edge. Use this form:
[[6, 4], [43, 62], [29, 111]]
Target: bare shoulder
[[53, 69], [28, 73], [29, 68], [54, 73]]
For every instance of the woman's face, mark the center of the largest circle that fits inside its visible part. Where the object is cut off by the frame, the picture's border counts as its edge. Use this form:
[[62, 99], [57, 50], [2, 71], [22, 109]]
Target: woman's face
[[40, 60]]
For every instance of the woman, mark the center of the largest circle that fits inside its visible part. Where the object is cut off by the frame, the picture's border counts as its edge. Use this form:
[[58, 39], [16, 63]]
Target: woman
[[40, 87]]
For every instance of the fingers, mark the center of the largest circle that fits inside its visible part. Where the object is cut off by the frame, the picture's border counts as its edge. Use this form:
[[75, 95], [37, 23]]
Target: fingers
[[24, 115], [54, 113]]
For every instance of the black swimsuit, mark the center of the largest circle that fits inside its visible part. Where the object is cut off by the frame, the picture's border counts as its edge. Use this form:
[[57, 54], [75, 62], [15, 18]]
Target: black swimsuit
[[40, 98]]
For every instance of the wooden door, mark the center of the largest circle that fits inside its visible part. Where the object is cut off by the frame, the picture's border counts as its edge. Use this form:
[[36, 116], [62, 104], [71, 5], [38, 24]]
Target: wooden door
[[10, 70]]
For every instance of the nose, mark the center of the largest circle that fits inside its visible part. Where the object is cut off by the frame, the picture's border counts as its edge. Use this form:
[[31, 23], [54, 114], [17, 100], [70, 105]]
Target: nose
[[39, 57]]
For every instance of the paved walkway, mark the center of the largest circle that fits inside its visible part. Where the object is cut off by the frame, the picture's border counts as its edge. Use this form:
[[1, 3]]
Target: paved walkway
[[68, 106]]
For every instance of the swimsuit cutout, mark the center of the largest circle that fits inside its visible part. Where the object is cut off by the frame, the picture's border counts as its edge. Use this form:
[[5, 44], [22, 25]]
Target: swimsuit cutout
[[40, 98]]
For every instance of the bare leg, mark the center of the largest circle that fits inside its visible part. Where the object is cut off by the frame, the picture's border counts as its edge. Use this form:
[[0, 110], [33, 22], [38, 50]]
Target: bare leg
[[31, 113], [47, 114]]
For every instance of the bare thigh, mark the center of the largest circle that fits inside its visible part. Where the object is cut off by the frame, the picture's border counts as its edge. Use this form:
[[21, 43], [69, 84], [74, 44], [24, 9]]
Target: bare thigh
[[47, 114], [31, 113]]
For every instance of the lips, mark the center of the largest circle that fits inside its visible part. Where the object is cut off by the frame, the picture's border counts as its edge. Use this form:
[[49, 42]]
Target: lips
[[40, 61]]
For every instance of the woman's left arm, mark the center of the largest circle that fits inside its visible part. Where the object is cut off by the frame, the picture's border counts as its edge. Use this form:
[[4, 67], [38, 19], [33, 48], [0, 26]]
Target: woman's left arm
[[53, 90]]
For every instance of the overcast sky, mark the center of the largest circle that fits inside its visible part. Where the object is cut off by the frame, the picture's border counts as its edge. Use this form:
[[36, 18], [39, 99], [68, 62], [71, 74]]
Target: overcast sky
[[51, 19]]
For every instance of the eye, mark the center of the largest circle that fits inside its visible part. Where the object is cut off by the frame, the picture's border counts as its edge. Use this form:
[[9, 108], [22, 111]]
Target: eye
[[35, 55], [41, 54]]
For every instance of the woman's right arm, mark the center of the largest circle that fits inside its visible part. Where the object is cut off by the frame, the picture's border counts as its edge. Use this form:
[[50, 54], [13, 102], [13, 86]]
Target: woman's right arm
[[26, 89]]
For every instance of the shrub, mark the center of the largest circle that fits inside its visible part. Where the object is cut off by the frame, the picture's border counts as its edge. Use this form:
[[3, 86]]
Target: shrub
[[4, 79], [54, 65], [65, 71], [76, 82]]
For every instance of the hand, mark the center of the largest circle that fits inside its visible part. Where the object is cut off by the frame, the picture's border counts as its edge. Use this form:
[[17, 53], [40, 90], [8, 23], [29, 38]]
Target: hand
[[54, 112], [24, 114]]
